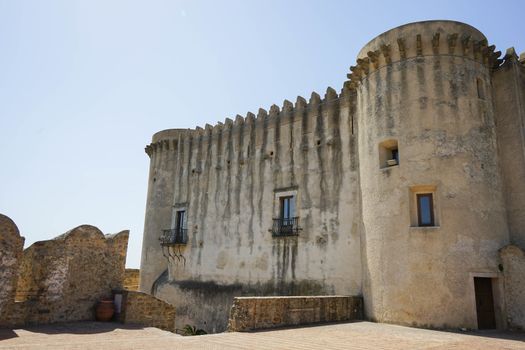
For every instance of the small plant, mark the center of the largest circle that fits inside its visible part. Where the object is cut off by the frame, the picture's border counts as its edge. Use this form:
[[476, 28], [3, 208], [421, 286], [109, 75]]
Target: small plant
[[192, 330]]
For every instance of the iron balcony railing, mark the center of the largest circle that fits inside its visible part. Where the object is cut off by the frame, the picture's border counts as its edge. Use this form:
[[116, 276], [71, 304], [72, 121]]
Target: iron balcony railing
[[286, 227], [174, 236]]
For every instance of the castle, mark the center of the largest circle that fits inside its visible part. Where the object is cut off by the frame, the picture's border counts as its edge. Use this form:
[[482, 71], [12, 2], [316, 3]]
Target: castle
[[406, 188]]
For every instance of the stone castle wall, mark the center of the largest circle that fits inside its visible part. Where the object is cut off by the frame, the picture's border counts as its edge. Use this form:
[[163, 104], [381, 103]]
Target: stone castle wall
[[508, 83], [229, 177], [454, 111], [255, 313], [424, 93]]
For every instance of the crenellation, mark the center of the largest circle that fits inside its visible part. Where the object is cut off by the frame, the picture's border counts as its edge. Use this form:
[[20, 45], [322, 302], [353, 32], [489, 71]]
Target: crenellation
[[199, 131], [274, 111], [228, 123], [330, 96], [300, 103], [238, 120], [250, 118], [315, 100]]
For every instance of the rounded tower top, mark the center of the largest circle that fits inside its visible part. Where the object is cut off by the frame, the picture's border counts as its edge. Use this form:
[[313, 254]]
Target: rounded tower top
[[419, 39], [426, 29]]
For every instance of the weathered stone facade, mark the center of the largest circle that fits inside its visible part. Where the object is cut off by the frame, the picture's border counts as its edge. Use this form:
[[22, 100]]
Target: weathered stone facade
[[252, 313], [429, 113]]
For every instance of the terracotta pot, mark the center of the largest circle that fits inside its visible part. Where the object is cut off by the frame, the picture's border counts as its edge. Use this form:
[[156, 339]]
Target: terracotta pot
[[105, 310]]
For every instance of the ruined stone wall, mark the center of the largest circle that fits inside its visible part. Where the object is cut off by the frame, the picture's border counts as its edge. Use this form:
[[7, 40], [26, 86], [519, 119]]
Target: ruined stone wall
[[144, 309], [509, 103], [11, 246], [513, 259], [253, 313], [418, 85], [229, 178], [62, 279]]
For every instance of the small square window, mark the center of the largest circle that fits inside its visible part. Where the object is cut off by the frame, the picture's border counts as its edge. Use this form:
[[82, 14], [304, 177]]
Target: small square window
[[388, 154], [425, 209]]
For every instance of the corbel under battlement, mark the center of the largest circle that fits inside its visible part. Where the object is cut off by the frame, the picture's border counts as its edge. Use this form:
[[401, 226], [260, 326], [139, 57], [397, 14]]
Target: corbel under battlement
[[405, 48]]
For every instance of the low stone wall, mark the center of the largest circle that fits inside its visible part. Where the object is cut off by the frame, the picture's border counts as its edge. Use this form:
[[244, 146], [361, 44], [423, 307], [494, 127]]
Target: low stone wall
[[252, 313], [513, 259], [146, 310], [131, 279]]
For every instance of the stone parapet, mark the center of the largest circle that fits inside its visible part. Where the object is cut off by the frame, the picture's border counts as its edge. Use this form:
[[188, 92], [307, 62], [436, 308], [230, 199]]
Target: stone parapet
[[253, 313], [144, 309]]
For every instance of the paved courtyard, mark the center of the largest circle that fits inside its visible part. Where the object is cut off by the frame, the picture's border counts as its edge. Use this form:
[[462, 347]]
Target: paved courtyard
[[358, 335]]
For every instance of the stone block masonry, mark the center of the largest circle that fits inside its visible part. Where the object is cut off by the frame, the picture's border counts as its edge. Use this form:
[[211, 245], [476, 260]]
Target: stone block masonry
[[253, 313], [131, 279]]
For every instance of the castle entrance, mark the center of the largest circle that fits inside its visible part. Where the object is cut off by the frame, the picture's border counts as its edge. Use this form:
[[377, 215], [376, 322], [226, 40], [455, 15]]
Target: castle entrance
[[484, 303]]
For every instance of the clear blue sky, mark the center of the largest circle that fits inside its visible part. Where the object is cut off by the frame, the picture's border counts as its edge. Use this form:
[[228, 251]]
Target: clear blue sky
[[84, 85]]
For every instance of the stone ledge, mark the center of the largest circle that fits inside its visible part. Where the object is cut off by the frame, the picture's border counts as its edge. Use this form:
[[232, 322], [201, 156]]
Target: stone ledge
[[253, 313]]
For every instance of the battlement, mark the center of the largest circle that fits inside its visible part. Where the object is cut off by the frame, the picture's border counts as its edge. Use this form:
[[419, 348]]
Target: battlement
[[428, 38], [276, 115]]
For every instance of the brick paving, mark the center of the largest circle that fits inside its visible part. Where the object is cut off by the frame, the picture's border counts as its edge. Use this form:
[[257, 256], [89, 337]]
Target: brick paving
[[358, 335]]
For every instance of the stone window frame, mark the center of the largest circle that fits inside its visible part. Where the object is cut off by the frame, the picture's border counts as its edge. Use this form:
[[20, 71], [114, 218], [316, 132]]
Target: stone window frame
[[416, 190], [177, 207]]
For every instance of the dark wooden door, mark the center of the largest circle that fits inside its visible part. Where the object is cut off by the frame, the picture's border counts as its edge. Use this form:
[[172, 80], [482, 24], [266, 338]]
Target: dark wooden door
[[484, 303]]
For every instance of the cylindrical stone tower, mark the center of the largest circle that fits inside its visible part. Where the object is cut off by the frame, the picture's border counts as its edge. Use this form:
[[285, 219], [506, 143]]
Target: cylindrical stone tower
[[432, 207], [163, 153]]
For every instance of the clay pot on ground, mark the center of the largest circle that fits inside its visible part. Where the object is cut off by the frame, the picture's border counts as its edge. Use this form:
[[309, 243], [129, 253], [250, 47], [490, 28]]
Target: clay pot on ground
[[105, 310]]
